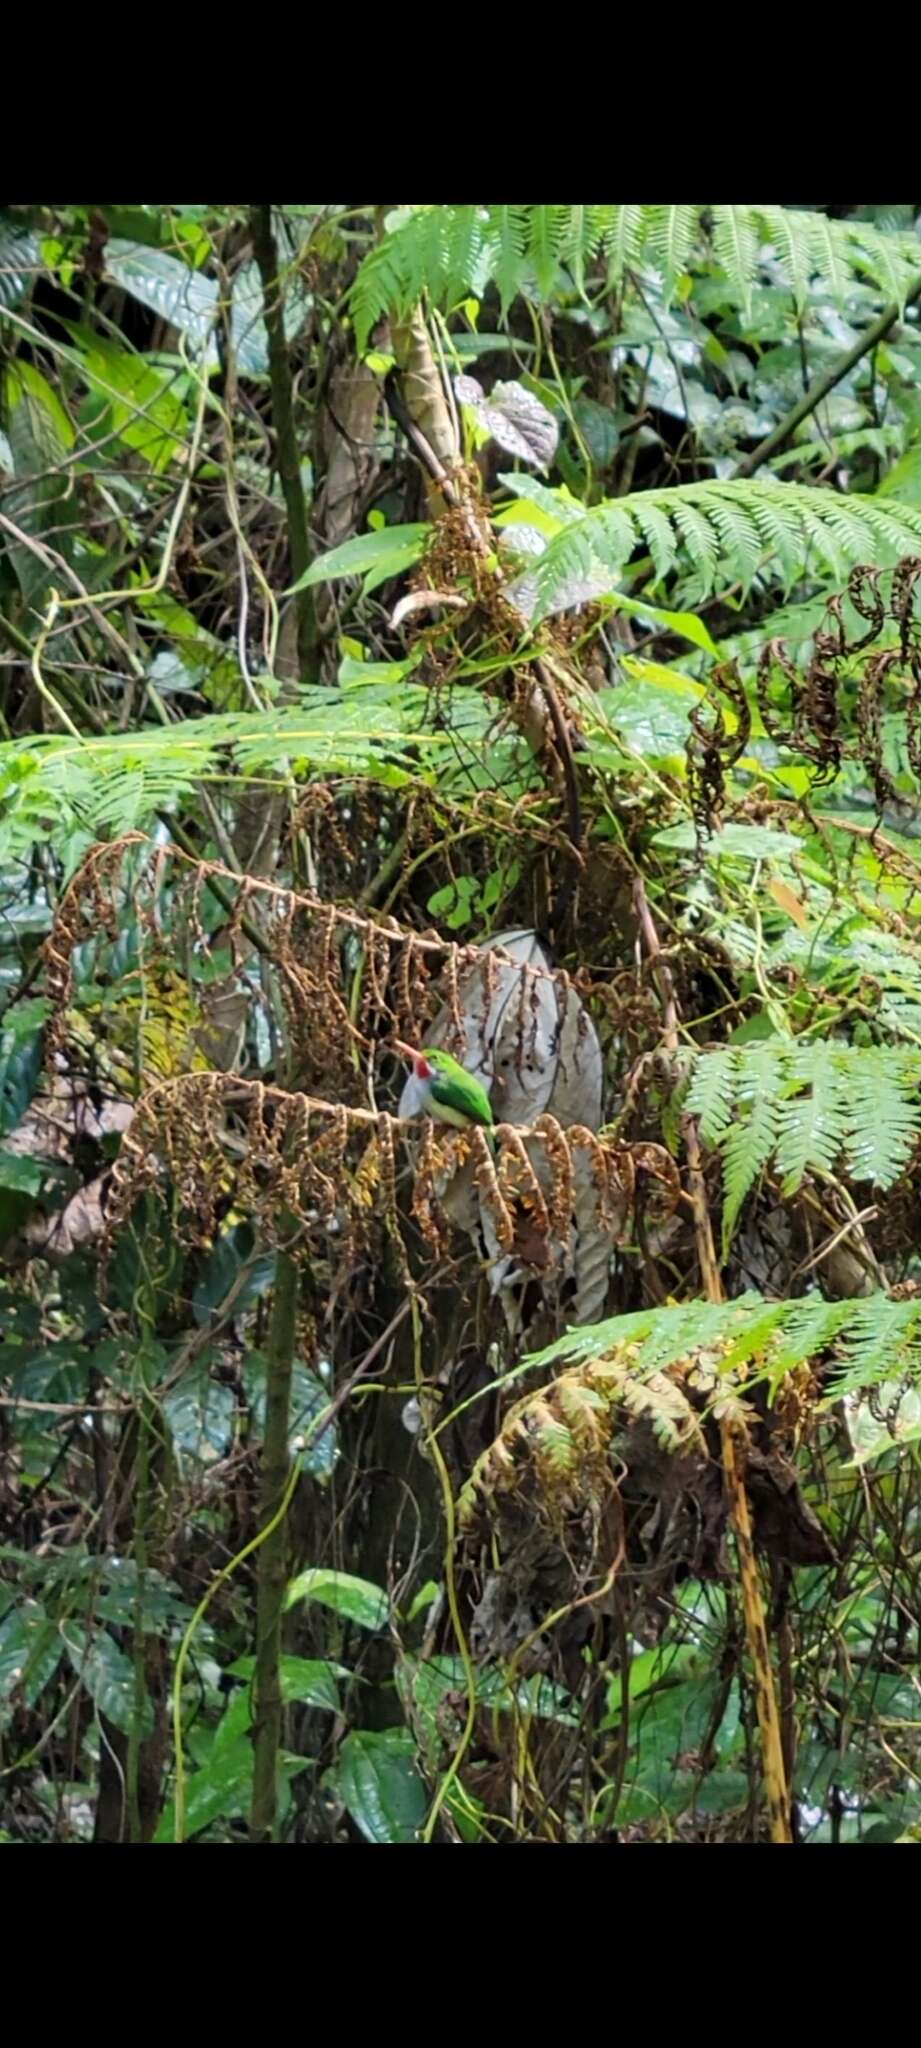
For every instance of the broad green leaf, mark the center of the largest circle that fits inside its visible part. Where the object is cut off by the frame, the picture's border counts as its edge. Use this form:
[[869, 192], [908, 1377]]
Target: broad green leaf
[[376, 1777], [30, 1651], [904, 478], [23, 1174], [742, 842], [20, 1061], [25, 383], [538, 1695], [20, 262], [223, 1268], [652, 718], [309, 1399], [388, 550], [181, 297], [107, 1675], [423, 1600], [222, 1789], [200, 1413], [357, 1599], [685, 624], [134, 400], [308, 1680], [44, 504], [161, 1604]]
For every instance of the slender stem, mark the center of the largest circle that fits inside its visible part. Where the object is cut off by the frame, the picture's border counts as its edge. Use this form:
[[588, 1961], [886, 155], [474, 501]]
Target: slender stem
[[270, 1583], [287, 452], [142, 1507]]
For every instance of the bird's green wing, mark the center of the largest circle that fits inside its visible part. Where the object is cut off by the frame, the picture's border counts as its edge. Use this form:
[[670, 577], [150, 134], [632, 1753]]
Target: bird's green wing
[[464, 1094]]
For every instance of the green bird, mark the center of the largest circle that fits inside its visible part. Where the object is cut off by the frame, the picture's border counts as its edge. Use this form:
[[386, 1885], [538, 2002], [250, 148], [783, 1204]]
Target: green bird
[[441, 1088]]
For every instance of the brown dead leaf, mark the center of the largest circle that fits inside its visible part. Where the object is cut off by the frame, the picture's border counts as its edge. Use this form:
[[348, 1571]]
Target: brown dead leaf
[[788, 901]]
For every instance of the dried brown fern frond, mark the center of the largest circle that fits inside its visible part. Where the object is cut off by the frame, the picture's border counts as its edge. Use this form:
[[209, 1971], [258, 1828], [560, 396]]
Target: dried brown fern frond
[[554, 1451]]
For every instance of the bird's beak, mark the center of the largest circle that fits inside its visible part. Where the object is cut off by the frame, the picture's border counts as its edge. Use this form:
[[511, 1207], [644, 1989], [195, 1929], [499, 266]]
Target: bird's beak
[[407, 1051]]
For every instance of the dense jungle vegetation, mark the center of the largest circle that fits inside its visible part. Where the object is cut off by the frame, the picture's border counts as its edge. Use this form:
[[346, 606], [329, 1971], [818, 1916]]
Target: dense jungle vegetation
[[495, 629]]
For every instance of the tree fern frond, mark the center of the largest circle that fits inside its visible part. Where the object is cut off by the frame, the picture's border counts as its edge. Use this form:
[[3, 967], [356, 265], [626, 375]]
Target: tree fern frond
[[752, 1138], [781, 534], [785, 231], [812, 1118], [670, 237], [884, 1112], [864, 1345], [749, 523], [511, 241], [585, 231], [438, 249], [712, 1093], [735, 244], [828, 254], [822, 545], [880, 1341], [699, 537], [884, 259], [807, 1328], [116, 783], [656, 531], [470, 253], [379, 288], [624, 240], [20, 262], [807, 1107], [736, 526], [553, 1438], [547, 236], [657, 1400]]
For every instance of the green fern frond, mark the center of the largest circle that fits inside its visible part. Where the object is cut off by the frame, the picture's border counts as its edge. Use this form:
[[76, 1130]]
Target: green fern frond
[[552, 1437], [439, 248], [812, 1119], [711, 1094], [884, 1114], [548, 235], [807, 1107], [585, 232], [782, 231], [669, 240], [624, 239], [735, 246], [728, 532], [880, 1342], [581, 1406], [751, 1139], [862, 1346], [510, 241], [95, 787]]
